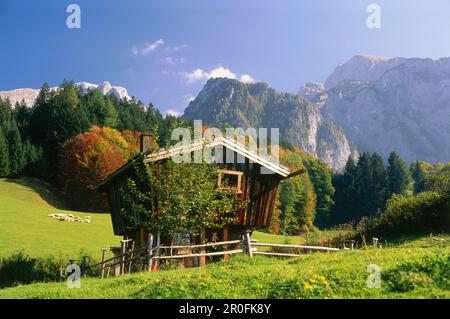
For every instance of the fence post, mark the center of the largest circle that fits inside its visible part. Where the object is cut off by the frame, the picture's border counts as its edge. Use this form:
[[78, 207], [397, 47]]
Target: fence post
[[248, 243], [122, 257], [103, 262], [225, 238], [149, 251], [202, 259], [131, 256], [158, 243]]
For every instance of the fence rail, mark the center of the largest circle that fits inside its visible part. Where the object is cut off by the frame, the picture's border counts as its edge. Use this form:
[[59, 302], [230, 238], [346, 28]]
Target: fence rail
[[296, 246], [144, 258]]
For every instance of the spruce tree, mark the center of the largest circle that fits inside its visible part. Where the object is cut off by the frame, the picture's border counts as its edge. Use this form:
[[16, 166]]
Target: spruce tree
[[4, 155], [398, 174], [16, 154], [378, 185]]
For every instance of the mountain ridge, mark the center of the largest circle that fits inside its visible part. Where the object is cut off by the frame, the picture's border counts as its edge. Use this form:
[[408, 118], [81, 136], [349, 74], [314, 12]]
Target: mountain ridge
[[402, 107], [227, 101], [29, 95]]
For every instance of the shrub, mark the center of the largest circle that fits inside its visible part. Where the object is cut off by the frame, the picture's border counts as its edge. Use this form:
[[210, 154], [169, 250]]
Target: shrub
[[404, 215], [19, 269]]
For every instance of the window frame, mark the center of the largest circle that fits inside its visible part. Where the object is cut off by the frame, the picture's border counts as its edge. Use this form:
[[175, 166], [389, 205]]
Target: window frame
[[239, 175]]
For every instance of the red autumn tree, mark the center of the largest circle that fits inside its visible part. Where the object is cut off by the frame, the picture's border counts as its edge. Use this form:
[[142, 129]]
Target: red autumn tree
[[87, 160]]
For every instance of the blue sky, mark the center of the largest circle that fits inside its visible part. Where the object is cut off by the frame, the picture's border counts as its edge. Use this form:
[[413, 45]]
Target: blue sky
[[163, 51]]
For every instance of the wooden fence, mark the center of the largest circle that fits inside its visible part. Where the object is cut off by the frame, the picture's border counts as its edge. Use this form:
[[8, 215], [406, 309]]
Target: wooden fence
[[148, 257]]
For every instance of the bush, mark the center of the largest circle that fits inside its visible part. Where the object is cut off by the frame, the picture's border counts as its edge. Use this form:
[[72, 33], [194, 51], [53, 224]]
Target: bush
[[19, 269], [406, 215]]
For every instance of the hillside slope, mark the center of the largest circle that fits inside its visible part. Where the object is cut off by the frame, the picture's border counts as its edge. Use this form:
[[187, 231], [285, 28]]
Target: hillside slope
[[24, 223]]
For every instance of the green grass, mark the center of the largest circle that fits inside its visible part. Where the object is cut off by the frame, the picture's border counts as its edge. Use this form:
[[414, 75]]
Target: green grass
[[412, 267], [416, 270], [24, 224], [314, 238]]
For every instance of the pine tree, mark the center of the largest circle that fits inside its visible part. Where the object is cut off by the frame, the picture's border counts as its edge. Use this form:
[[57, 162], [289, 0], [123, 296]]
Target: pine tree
[[398, 174], [419, 176], [4, 155], [16, 154], [378, 185]]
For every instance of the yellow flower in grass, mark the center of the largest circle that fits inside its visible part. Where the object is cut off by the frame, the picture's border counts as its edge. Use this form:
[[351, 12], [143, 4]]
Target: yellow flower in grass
[[312, 280], [308, 286]]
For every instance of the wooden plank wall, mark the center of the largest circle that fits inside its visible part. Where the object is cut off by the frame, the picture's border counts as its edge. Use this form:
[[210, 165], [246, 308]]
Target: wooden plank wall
[[259, 189]]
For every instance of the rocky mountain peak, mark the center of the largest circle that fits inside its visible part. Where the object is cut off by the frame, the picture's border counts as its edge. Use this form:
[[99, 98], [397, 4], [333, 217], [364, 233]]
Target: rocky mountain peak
[[227, 101], [362, 67]]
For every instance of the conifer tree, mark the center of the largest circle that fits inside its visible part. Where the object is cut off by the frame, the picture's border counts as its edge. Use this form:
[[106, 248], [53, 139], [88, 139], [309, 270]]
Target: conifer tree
[[4, 155], [16, 154], [398, 174]]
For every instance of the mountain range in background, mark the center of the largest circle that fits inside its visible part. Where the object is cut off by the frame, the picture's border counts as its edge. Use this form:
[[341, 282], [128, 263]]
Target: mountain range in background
[[230, 102], [390, 104], [29, 95], [369, 103]]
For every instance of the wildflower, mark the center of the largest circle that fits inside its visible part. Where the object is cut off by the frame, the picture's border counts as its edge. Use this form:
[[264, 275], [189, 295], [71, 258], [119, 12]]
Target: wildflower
[[308, 286]]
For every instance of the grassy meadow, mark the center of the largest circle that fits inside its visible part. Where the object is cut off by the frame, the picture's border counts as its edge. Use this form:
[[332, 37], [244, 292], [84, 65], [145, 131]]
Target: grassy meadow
[[24, 223], [416, 269], [413, 267]]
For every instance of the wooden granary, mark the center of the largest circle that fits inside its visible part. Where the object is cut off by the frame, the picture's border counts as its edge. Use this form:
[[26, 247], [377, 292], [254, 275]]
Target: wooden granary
[[254, 177]]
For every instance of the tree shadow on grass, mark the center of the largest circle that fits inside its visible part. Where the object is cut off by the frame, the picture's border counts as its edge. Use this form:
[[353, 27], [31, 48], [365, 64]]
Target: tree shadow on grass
[[47, 192]]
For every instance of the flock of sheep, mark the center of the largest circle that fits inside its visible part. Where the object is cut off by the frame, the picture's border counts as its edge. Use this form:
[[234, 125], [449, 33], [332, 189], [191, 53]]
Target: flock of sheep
[[71, 218]]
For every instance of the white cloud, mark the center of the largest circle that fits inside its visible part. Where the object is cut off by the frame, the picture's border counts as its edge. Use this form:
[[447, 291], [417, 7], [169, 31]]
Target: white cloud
[[219, 72], [196, 75], [176, 48], [246, 78], [152, 46], [188, 98], [173, 113], [149, 48], [174, 61]]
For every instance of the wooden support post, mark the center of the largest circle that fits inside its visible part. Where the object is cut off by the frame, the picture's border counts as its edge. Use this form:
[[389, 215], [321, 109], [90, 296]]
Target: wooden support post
[[225, 238], [202, 259], [149, 252], [122, 257], [131, 256], [248, 243], [158, 243], [103, 262]]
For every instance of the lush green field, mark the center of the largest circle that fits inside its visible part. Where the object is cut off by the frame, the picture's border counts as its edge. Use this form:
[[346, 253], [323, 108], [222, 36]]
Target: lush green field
[[417, 268], [413, 270], [24, 224]]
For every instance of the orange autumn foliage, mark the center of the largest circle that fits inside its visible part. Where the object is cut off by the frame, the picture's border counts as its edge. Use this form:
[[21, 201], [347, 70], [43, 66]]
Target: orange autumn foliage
[[88, 159]]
